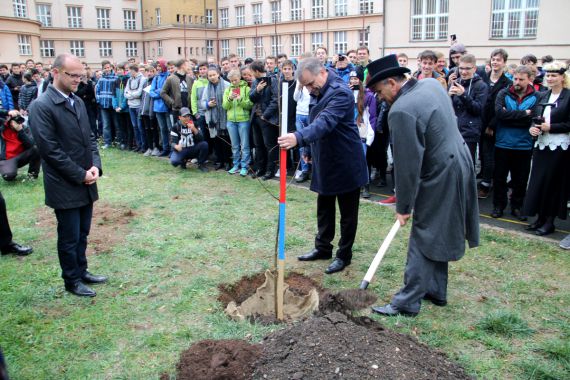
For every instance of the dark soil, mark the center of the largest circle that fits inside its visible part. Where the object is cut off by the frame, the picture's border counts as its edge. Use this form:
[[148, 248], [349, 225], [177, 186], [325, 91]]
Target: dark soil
[[345, 301], [336, 346], [246, 286], [217, 360], [108, 227]]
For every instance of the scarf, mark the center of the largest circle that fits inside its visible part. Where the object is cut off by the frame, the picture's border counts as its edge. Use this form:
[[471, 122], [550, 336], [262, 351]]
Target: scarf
[[216, 117]]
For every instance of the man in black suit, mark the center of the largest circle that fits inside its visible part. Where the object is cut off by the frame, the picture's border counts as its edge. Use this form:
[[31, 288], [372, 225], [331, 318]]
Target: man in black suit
[[72, 166]]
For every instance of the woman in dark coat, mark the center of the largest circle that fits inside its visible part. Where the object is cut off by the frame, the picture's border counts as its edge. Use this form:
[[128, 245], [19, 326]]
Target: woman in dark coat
[[549, 183]]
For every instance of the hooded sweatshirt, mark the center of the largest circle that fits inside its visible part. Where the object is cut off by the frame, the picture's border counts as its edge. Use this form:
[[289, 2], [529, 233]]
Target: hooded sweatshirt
[[238, 110], [134, 90]]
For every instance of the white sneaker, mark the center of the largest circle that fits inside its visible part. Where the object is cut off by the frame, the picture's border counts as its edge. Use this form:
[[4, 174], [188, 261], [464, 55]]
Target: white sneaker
[[373, 174], [298, 174], [148, 152], [565, 243], [277, 173], [155, 152], [194, 161]]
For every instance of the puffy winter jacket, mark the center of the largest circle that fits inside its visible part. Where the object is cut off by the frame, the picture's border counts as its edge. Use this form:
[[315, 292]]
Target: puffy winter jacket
[[155, 88], [119, 100], [238, 109], [469, 108], [6, 97], [28, 93]]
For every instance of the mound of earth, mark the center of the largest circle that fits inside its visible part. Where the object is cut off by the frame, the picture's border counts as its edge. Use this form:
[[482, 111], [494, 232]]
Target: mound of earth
[[217, 360], [336, 346]]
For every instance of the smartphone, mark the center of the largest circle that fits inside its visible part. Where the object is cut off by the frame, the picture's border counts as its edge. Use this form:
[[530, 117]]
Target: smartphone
[[266, 80], [236, 91]]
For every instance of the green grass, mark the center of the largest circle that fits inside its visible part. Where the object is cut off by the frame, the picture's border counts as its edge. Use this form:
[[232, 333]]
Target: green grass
[[507, 315]]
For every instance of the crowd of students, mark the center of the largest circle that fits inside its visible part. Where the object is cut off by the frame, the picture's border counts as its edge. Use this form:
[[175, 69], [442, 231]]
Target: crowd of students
[[229, 112]]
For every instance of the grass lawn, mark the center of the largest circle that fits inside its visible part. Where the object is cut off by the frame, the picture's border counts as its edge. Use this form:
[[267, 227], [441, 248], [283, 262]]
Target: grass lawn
[[509, 300]]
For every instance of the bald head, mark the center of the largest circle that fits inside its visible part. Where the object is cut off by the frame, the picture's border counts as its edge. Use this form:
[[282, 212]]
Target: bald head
[[67, 73], [63, 59]]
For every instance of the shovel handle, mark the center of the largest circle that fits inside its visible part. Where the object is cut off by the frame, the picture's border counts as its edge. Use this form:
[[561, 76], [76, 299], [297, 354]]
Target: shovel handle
[[379, 255]]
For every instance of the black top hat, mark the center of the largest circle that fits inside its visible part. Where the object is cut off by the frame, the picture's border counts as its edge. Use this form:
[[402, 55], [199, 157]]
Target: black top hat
[[383, 68]]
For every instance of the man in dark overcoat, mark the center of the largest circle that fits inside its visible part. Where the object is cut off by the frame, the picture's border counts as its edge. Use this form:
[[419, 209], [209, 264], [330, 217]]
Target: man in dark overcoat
[[436, 180], [339, 167], [72, 166]]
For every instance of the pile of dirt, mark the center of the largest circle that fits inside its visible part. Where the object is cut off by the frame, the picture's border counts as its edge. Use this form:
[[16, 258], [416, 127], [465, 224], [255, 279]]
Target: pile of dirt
[[336, 346], [108, 227], [217, 360], [345, 301]]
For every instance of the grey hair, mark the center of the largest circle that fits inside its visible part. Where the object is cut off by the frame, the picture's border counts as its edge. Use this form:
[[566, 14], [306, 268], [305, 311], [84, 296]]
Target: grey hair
[[312, 65], [398, 78]]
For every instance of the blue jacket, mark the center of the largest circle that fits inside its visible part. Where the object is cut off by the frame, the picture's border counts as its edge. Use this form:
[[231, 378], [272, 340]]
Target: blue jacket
[[105, 90], [119, 100], [469, 108], [345, 73], [157, 83], [6, 97], [338, 163], [513, 121]]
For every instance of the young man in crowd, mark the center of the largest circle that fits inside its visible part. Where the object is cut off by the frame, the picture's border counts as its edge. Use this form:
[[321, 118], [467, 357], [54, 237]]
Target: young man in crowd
[[427, 60], [496, 80], [531, 62], [4, 73], [403, 60], [15, 81], [124, 127], [104, 92], [234, 61], [513, 145], [225, 67], [187, 142], [198, 110], [176, 89], [271, 67], [133, 92], [343, 67], [28, 92]]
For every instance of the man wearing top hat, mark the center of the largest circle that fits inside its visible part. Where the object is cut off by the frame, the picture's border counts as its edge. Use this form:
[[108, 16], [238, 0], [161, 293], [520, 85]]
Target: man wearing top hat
[[433, 163]]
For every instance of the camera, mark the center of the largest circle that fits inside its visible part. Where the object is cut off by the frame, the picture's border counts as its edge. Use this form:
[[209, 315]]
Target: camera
[[19, 119], [341, 57], [537, 120]]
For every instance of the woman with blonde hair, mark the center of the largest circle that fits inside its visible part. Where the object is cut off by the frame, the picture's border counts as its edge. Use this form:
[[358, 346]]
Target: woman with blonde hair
[[549, 184]]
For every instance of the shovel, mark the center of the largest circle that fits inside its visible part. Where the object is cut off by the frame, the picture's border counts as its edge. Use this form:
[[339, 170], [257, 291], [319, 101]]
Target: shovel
[[379, 255]]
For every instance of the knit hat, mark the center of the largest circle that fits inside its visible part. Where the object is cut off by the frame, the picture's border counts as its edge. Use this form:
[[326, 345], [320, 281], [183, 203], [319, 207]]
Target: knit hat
[[457, 48], [359, 74]]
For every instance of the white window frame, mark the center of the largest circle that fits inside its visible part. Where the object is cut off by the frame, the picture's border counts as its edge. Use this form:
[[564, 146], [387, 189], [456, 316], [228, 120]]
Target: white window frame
[[20, 8], [209, 16], [225, 47], [296, 10], [514, 19], [43, 14], [47, 49], [316, 40], [24, 44], [159, 48], [439, 18], [103, 18], [340, 42], [364, 37], [257, 13], [158, 16], [258, 50], [240, 15], [340, 8], [130, 19], [365, 7], [74, 17], [131, 49], [105, 49], [296, 45], [241, 47], [224, 18], [77, 48], [276, 46], [275, 11], [317, 9], [209, 47]]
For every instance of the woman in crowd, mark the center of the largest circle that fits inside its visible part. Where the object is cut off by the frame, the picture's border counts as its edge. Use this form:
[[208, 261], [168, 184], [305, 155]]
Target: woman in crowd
[[237, 104], [548, 187], [215, 116], [149, 122]]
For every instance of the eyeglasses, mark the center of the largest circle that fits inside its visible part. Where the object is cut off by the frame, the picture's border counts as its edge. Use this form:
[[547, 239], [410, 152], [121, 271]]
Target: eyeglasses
[[466, 68], [74, 76]]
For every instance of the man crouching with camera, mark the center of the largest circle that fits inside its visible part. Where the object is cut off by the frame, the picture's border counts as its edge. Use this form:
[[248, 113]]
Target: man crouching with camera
[[17, 147]]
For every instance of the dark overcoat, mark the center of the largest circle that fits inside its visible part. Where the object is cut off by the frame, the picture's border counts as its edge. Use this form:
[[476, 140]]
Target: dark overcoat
[[67, 148], [435, 176], [339, 164]]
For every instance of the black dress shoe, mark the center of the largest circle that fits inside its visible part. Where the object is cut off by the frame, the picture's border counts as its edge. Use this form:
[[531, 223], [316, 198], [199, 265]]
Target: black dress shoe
[[337, 265], [535, 226], [516, 212], [218, 166], [546, 229], [259, 173], [315, 254], [17, 249], [497, 213], [90, 278], [435, 301], [80, 289], [268, 176], [392, 311]]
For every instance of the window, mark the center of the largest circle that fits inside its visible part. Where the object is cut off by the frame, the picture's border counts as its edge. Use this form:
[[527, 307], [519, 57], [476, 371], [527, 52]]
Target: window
[[77, 48], [105, 49], [24, 44], [224, 19], [240, 15], [340, 8], [157, 13], [514, 18], [46, 48], [257, 13], [340, 43], [429, 20], [131, 48], [316, 40], [209, 16], [209, 47], [74, 17], [103, 18], [363, 36], [296, 10], [276, 47], [130, 19], [296, 45], [318, 9], [258, 47], [241, 47], [225, 46], [20, 8], [44, 14], [159, 47], [366, 7], [276, 11]]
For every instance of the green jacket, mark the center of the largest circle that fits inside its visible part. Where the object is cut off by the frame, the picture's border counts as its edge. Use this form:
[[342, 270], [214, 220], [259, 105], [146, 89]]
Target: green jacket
[[238, 109], [196, 95]]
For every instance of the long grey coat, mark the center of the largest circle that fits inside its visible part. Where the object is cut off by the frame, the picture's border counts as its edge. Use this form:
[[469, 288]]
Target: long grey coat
[[435, 176]]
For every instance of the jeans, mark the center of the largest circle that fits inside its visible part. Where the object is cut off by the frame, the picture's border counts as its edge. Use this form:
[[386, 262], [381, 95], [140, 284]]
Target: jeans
[[136, 121], [163, 119], [110, 120], [200, 151], [239, 136], [301, 121]]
